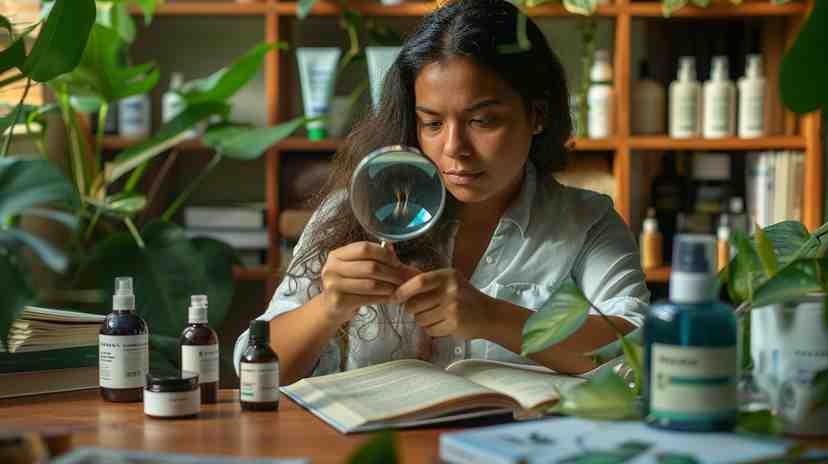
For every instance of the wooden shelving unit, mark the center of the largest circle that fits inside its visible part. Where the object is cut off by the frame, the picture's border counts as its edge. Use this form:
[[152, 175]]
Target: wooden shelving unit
[[800, 133]]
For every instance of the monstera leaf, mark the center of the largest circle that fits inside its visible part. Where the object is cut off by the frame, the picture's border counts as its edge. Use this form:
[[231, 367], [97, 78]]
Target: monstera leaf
[[24, 184], [166, 272], [804, 68]]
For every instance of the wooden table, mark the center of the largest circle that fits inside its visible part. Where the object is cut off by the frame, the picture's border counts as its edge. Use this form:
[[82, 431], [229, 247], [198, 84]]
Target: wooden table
[[221, 429]]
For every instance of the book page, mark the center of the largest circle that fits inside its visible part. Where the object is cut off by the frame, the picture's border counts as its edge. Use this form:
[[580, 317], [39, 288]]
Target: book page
[[46, 314], [531, 386], [382, 391]]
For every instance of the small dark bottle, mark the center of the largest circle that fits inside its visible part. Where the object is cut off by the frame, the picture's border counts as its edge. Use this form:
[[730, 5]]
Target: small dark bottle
[[123, 348], [259, 371], [200, 349]]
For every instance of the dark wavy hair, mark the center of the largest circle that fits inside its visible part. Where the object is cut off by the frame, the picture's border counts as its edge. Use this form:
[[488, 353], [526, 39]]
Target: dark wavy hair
[[485, 31]]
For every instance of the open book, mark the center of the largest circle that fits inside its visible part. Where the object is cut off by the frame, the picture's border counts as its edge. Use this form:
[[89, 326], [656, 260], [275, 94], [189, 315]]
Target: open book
[[410, 392]]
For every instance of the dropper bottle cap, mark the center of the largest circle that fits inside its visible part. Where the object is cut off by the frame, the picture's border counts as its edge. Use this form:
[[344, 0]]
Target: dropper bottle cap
[[754, 66], [259, 332], [650, 223], [123, 299], [694, 269], [198, 309]]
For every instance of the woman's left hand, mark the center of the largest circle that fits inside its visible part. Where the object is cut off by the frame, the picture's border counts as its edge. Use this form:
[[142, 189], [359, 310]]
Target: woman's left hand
[[444, 303]]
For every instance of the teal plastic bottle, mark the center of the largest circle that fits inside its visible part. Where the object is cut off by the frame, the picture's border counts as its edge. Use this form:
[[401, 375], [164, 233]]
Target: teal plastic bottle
[[690, 347]]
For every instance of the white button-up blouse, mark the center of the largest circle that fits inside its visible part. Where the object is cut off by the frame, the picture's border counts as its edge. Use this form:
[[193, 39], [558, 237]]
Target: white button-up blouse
[[549, 233]]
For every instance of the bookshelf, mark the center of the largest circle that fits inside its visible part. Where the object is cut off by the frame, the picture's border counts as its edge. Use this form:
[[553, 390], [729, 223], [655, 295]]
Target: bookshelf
[[793, 133]]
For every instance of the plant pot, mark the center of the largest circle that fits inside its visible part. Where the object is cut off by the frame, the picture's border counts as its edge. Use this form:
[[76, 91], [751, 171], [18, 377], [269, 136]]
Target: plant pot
[[789, 345]]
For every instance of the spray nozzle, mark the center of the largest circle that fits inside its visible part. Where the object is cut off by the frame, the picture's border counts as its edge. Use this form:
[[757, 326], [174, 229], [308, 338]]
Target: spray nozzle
[[124, 298]]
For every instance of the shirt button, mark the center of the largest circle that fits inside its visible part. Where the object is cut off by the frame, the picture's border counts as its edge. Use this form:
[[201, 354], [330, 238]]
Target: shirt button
[[489, 260]]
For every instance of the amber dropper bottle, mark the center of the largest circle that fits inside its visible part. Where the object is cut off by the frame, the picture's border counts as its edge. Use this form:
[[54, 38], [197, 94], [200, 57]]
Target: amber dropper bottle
[[200, 349], [259, 371]]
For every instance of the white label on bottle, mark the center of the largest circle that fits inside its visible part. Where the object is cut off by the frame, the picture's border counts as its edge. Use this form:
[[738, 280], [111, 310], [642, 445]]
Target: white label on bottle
[[172, 404], [203, 360], [718, 111], [752, 114], [259, 382], [693, 382], [123, 360], [600, 112]]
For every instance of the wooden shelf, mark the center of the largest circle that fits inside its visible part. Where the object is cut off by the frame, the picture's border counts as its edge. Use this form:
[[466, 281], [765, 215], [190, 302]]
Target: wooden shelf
[[584, 144], [719, 9], [368, 8], [114, 142], [303, 143], [260, 273], [765, 143], [228, 8], [658, 275]]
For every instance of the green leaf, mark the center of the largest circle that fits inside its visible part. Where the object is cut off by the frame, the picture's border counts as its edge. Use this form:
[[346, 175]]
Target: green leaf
[[121, 205], [13, 57], [100, 73], [668, 7], [304, 8], [815, 246], [633, 356], [606, 396], [559, 318], [68, 220], [51, 256], [799, 278], [248, 143], [788, 238], [582, 7], [116, 16], [226, 82], [702, 3], [167, 272], [25, 183], [380, 449], [148, 7], [61, 42], [17, 290], [759, 423], [170, 134], [804, 67], [745, 269], [766, 254]]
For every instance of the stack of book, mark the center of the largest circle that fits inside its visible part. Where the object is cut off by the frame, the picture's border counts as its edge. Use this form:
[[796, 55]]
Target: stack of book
[[241, 226], [50, 350], [774, 186]]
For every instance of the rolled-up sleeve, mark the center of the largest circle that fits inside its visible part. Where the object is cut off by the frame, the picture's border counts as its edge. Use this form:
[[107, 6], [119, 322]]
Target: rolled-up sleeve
[[293, 293], [608, 270]]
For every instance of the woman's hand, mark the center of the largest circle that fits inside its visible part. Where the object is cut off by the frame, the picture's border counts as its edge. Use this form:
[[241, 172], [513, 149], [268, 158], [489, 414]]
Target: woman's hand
[[444, 303], [359, 274]]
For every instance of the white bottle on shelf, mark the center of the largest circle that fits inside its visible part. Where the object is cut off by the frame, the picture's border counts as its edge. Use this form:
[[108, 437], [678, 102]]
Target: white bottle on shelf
[[752, 99], [719, 102], [600, 97], [173, 104], [134, 117], [648, 103], [685, 101]]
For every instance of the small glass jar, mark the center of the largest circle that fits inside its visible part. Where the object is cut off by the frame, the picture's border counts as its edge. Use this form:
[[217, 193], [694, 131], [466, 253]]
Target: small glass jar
[[172, 396]]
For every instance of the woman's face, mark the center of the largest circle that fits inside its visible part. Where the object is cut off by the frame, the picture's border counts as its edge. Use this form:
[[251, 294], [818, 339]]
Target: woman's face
[[475, 128]]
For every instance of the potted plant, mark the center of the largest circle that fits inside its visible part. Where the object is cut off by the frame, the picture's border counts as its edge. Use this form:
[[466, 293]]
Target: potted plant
[[104, 198]]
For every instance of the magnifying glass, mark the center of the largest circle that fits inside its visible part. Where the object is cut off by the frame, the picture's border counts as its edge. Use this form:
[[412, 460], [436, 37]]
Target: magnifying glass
[[397, 193]]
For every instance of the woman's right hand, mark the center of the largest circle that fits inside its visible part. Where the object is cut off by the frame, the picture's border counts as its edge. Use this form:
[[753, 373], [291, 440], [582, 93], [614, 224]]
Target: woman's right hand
[[358, 274]]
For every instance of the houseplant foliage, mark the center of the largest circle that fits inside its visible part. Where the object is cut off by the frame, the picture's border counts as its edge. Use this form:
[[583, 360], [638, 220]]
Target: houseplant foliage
[[107, 197], [670, 6]]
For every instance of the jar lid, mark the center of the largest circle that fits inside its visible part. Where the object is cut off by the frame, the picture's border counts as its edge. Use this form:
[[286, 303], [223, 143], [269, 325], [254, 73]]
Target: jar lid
[[184, 381]]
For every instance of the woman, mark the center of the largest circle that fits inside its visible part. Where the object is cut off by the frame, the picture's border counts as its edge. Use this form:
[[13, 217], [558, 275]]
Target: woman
[[493, 116]]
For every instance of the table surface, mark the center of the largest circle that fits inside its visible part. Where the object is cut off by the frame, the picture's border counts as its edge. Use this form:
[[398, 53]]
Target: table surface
[[220, 429]]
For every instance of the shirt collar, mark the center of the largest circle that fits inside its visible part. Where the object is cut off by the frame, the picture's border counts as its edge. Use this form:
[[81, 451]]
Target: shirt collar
[[520, 211]]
